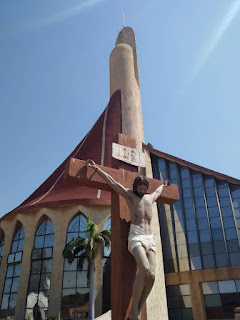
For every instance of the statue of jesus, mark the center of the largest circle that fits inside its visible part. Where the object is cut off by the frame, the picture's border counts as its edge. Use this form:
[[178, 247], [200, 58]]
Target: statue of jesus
[[140, 238]]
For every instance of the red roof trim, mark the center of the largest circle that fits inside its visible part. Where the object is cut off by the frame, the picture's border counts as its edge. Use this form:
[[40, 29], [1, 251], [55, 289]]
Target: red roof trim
[[191, 165]]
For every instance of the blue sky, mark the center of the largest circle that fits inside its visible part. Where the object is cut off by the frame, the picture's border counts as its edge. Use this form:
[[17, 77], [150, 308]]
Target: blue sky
[[54, 81]]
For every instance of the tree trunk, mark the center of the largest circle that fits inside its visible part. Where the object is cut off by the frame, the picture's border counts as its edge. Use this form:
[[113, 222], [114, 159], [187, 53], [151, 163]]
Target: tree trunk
[[91, 314]]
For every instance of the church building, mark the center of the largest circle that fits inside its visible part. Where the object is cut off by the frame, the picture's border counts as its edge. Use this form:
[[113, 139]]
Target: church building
[[197, 237]]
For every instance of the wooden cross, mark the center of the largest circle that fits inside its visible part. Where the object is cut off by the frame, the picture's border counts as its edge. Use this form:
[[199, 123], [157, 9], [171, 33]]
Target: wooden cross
[[123, 266]]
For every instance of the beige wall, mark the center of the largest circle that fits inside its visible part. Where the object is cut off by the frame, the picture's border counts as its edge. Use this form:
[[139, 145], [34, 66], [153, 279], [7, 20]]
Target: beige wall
[[61, 217]]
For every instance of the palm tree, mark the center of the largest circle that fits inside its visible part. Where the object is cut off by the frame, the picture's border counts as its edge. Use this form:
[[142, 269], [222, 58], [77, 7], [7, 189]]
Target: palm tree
[[88, 247]]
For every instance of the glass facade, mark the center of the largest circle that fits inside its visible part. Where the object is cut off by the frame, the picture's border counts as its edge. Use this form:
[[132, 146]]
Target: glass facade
[[10, 290], [106, 291], [75, 292], [179, 302], [221, 298], [40, 273], [201, 230]]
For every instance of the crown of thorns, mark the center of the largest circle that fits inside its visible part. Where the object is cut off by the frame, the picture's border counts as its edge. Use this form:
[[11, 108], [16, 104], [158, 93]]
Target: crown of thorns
[[138, 181]]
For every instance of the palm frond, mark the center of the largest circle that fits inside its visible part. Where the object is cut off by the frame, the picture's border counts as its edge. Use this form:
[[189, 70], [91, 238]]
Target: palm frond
[[73, 247], [91, 227], [106, 234]]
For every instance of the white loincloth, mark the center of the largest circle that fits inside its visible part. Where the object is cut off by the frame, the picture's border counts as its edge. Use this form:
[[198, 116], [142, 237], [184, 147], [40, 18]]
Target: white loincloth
[[138, 237]]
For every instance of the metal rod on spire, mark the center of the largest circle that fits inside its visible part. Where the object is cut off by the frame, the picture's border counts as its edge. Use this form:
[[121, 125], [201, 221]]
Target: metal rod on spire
[[123, 16]]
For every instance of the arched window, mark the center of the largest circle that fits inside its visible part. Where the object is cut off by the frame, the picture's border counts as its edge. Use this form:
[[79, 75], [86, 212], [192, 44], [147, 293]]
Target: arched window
[[75, 292], [10, 290], [106, 289], [1, 247], [40, 274]]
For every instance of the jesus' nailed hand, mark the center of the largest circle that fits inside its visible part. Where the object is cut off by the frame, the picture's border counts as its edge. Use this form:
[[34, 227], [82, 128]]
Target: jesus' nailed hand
[[140, 239]]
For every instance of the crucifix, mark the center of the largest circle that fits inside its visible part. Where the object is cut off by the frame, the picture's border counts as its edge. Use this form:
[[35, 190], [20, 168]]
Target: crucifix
[[123, 266]]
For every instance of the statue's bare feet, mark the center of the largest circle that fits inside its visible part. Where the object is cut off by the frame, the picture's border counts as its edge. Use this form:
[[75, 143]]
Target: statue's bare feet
[[134, 315]]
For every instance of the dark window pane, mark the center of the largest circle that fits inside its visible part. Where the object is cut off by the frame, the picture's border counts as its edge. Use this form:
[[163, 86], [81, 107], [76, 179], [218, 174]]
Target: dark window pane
[[187, 314], [219, 247], [36, 266], [221, 260], [208, 262], [36, 254], [17, 270], [34, 283], [82, 296], [206, 248], [215, 313], [233, 246], [212, 300], [217, 234], [234, 259], [47, 266], [68, 296], [194, 250]]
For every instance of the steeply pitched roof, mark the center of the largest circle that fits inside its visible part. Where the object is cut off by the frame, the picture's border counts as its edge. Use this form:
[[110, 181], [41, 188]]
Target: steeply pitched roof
[[97, 145], [191, 165]]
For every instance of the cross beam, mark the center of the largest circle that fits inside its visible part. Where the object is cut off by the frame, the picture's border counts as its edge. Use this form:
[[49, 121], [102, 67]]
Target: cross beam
[[76, 171]]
